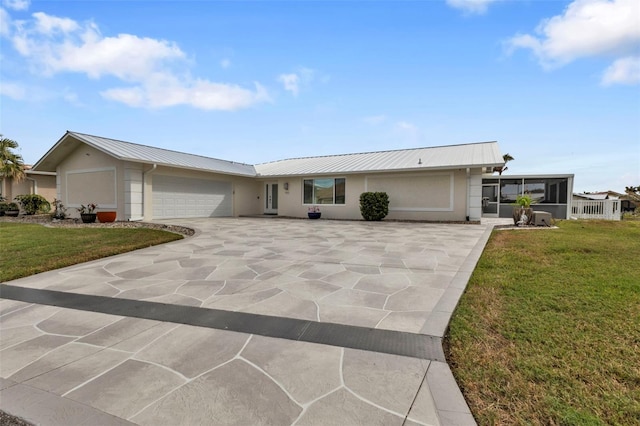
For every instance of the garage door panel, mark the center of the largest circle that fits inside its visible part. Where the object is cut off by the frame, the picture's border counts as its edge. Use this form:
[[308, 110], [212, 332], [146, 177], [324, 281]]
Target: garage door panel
[[177, 197]]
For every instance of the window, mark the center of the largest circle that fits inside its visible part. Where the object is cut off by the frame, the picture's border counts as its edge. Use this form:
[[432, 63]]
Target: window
[[510, 189], [535, 188], [324, 191]]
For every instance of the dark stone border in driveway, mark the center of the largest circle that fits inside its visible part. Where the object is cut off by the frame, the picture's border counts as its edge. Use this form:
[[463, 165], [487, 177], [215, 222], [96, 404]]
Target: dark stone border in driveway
[[341, 335]]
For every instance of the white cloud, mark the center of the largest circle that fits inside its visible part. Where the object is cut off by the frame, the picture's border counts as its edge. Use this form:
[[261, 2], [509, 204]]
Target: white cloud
[[155, 69], [290, 82], [17, 4], [471, 6], [623, 71], [163, 90], [62, 45], [49, 25], [375, 119], [587, 28], [293, 82], [12, 90], [406, 126], [409, 132], [5, 23]]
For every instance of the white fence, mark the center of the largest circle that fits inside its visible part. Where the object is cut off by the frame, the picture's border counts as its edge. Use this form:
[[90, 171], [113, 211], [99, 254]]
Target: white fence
[[596, 209]]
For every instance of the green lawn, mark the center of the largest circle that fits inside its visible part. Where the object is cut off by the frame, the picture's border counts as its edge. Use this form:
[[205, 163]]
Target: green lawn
[[548, 331], [27, 249]]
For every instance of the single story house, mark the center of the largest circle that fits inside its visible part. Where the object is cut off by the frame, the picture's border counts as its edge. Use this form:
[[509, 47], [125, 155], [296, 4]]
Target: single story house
[[144, 183], [41, 183]]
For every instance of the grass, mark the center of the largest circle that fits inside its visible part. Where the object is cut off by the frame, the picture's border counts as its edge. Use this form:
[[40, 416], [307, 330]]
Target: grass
[[27, 249], [548, 331]]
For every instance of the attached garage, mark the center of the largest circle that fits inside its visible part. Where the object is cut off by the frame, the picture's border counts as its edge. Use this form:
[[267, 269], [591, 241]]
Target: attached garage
[[180, 197]]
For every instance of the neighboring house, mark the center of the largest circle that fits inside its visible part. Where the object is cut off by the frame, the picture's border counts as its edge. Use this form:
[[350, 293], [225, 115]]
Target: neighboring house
[[142, 182], [626, 203], [41, 183]]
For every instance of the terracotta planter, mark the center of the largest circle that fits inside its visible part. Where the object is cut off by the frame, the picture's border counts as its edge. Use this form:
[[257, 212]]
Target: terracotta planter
[[105, 217], [88, 217]]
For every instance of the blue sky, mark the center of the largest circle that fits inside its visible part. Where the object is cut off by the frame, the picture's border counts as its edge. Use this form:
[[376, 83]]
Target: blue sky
[[556, 83]]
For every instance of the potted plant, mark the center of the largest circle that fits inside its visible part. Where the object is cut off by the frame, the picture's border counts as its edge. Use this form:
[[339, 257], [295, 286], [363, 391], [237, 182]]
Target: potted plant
[[523, 213], [60, 211], [314, 212], [105, 217], [12, 210], [87, 213]]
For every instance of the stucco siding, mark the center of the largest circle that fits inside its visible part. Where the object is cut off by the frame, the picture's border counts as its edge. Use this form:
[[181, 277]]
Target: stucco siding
[[90, 176], [436, 196]]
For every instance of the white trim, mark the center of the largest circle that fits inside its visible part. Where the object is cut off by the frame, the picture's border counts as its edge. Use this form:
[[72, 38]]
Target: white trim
[[334, 191], [419, 209], [98, 169]]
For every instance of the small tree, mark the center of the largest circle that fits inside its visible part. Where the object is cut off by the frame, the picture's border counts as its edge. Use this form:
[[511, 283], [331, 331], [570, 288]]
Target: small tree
[[374, 205]]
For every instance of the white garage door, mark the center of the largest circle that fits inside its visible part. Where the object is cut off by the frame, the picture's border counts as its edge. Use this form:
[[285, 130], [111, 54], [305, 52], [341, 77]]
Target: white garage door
[[175, 197]]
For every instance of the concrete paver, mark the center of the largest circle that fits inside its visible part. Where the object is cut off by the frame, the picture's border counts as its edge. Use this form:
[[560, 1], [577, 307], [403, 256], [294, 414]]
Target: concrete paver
[[395, 276]]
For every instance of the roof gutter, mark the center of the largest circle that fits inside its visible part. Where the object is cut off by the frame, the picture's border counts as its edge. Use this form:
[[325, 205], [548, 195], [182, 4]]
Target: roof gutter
[[34, 189]]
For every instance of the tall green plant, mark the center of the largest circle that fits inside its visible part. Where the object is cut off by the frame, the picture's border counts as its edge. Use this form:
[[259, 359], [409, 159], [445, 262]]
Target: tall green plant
[[524, 201], [374, 205]]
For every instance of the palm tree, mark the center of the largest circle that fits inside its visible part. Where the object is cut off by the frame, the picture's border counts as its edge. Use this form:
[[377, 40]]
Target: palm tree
[[506, 158], [633, 192], [11, 164]]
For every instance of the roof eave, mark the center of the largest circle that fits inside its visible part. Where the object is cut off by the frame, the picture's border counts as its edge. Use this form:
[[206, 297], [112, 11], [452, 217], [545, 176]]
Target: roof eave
[[372, 171]]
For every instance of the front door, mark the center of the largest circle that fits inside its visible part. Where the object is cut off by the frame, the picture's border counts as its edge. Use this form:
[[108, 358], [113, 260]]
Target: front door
[[271, 198]]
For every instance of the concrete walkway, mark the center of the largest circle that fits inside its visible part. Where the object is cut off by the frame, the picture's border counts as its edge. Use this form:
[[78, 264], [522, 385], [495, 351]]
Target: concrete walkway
[[250, 321]]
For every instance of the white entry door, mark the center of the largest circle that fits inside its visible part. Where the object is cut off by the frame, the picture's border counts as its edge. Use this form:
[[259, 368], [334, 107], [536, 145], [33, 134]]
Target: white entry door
[[271, 198]]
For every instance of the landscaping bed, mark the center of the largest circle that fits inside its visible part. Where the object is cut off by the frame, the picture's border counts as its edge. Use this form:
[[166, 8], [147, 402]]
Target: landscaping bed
[[46, 220]]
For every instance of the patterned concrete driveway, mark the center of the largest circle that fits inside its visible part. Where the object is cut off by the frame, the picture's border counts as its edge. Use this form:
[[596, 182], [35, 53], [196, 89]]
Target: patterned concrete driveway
[[217, 328]]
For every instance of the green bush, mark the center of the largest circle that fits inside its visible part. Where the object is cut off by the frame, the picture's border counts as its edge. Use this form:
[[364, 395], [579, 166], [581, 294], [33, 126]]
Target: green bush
[[33, 203], [374, 205]]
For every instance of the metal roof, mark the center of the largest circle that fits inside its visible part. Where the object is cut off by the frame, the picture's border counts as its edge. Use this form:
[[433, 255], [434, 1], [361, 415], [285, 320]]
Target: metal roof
[[483, 154], [139, 153]]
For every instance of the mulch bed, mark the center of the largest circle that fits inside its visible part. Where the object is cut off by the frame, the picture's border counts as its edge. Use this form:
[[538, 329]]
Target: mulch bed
[[46, 220], [9, 420]]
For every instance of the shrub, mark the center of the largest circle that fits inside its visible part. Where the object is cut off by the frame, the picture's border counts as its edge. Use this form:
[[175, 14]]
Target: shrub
[[374, 205], [60, 211], [33, 203]]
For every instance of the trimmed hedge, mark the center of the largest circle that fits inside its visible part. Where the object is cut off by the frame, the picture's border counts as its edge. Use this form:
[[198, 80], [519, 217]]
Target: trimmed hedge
[[374, 205]]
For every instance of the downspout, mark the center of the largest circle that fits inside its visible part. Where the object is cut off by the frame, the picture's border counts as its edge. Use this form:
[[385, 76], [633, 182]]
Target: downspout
[[34, 189], [144, 185], [468, 193]]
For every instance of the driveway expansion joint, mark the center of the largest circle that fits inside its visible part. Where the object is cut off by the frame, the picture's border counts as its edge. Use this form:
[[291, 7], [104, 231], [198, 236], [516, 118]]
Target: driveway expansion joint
[[413, 345]]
